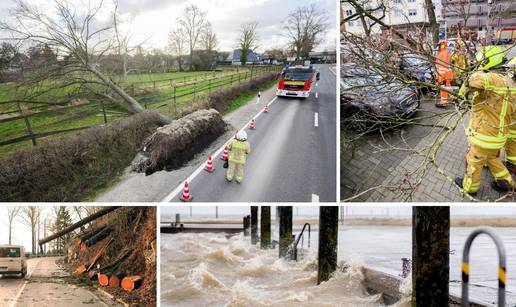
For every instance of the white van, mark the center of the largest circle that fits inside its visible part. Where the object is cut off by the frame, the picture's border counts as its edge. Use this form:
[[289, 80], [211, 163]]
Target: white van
[[12, 260]]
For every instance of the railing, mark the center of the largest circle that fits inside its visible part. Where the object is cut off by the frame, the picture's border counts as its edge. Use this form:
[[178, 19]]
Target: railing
[[299, 237], [501, 265]]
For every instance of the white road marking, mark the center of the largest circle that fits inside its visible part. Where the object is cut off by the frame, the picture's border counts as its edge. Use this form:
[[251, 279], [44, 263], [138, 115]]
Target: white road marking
[[334, 72], [316, 94], [179, 187], [13, 303], [316, 119], [316, 84], [315, 198]]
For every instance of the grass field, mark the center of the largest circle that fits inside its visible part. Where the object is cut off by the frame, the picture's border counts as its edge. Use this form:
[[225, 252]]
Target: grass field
[[154, 91]]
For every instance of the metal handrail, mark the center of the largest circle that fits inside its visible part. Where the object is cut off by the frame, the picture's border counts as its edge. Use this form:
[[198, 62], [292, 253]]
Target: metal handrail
[[501, 265], [294, 245]]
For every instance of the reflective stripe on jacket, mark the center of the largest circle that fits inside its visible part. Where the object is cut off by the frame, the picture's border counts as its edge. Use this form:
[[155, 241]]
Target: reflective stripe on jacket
[[493, 107], [238, 151]]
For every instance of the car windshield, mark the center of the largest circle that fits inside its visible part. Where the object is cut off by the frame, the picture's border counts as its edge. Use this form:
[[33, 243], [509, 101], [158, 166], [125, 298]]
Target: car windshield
[[298, 74], [9, 252]]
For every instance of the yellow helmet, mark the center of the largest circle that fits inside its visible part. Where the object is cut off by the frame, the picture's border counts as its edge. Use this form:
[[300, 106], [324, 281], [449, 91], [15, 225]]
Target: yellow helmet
[[490, 56]]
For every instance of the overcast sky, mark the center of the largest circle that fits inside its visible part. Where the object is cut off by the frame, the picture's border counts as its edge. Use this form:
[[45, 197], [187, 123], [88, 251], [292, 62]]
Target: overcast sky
[[153, 19]]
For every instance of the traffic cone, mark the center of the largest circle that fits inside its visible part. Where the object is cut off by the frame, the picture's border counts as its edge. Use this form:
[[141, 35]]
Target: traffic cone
[[251, 125], [186, 194], [225, 154], [266, 109], [209, 165]]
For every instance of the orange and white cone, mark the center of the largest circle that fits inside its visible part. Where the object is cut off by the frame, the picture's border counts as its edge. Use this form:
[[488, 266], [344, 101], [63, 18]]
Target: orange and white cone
[[266, 109], [251, 125], [225, 154], [209, 165], [186, 194]]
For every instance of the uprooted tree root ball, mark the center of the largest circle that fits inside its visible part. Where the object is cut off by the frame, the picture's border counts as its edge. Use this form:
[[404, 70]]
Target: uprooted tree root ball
[[174, 144], [116, 248]]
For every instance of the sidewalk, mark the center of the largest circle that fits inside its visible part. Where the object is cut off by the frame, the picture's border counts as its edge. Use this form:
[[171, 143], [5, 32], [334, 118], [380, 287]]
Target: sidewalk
[[391, 174], [136, 187]]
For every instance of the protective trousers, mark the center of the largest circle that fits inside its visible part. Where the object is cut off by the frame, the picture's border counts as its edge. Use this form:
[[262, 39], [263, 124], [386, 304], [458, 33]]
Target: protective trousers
[[235, 169], [510, 153], [476, 158]]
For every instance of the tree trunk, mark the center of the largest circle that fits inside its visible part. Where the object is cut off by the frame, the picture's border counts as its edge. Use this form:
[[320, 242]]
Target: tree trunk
[[10, 233], [434, 27], [132, 106]]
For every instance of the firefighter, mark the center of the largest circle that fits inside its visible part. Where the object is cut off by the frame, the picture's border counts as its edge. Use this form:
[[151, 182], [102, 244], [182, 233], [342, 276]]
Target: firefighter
[[510, 147], [238, 149], [488, 130], [444, 72], [459, 59]]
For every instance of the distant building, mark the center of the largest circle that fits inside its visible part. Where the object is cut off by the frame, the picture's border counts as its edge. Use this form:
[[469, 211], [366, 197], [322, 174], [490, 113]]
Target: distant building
[[252, 58], [502, 14], [398, 13]]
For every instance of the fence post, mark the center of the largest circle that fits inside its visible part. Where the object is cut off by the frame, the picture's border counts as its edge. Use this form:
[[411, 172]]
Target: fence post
[[175, 107], [285, 230], [231, 82], [184, 79], [23, 112], [209, 86], [132, 89], [194, 89], [103, 110], [154, 82]]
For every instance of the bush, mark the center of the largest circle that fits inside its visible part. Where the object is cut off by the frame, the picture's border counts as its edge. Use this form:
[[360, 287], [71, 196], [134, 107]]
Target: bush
[[221, 100], [70, 168]]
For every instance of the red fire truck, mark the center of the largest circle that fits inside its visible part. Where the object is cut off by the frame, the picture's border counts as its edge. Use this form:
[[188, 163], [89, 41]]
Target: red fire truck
[[297, 81]]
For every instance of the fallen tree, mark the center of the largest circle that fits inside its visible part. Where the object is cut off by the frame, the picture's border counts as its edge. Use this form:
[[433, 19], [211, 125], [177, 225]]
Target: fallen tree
[[124, 262], [174, 144]]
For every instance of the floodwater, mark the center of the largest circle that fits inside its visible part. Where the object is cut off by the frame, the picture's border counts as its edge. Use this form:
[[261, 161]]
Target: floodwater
[[215, 270], [212, 269]]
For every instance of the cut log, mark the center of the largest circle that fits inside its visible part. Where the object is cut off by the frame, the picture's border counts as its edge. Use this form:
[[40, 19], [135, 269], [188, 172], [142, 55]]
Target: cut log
[[131, 283], [99, 254], [103, 280], [81, 269], [90, 233], [114, 281], [117, 261], [101, 235], [92, 274]]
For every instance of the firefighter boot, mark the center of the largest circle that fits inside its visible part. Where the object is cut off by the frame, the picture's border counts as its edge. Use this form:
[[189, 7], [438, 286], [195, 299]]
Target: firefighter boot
[[501, 186], [458, 182], [511, 167]]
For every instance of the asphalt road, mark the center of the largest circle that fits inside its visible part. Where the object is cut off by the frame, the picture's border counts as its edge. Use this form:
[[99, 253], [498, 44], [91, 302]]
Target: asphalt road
[[293, 154], [45, 286]]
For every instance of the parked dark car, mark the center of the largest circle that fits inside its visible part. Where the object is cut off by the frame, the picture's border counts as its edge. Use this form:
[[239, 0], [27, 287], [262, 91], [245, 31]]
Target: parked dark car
[[417, 68], [366, 96]]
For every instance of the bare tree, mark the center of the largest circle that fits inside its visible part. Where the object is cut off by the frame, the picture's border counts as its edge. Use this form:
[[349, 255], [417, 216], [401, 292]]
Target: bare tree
[[209, 38], [177, 45], [83, 40], [30, 217], [304, 28], [12, 214], [248, 40], [193, 23]]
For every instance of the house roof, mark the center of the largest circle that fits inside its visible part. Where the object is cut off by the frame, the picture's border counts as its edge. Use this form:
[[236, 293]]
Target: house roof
[[251, 56]]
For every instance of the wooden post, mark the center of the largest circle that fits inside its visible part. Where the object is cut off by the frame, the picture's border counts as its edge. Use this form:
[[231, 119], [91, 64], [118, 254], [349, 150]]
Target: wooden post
[[209, 86], [194, 90], [103, 110], [328, 242], [254, 224], [265, 227], [285, 230], [178, 218], [174, 102], [247, 224], [24, 112], [430, 255]]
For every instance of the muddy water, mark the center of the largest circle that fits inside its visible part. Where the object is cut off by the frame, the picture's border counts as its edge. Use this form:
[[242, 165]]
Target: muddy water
[[215, 270]]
